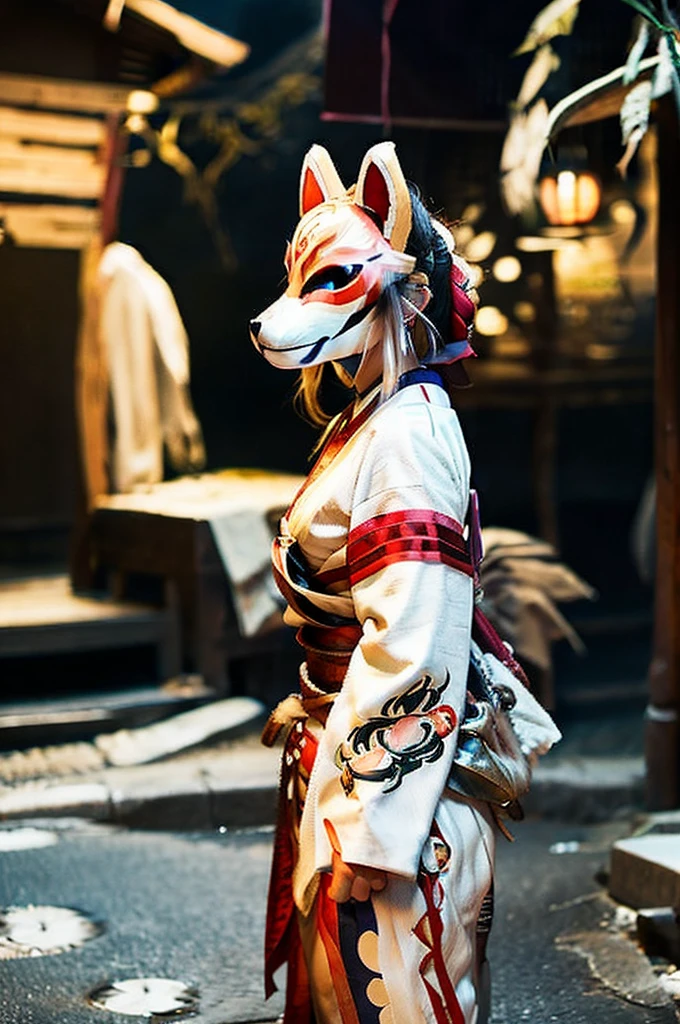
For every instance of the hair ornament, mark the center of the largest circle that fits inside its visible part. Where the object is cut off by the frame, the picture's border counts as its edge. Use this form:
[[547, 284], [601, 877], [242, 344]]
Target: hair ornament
[[462, 306], [413, 287], [445, 234]]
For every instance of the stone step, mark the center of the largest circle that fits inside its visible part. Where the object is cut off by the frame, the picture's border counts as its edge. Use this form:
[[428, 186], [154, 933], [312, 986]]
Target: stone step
[[645, 871]]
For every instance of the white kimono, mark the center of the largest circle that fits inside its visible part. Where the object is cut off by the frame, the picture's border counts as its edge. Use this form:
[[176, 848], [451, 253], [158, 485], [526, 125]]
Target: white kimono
[[381, 527]]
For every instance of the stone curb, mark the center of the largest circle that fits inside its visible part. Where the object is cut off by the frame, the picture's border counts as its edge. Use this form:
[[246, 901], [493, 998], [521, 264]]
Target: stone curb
[[236, 787], [586, 790], [168, 738]]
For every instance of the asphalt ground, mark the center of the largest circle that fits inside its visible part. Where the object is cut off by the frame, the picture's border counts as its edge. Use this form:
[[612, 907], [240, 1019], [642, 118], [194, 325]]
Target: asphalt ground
[[190, 906]]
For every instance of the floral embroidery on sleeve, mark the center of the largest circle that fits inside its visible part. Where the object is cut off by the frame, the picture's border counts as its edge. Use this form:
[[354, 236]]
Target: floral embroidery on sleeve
[[408, 733]]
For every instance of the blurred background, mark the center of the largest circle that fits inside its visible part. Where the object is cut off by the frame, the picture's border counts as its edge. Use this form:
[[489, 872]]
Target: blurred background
[[197, 147]]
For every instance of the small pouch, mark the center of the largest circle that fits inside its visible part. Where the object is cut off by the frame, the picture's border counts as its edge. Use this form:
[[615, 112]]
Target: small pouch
[[489, 763]]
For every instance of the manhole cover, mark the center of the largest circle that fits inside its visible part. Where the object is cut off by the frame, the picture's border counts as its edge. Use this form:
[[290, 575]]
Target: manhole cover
[[43, 931], [146, 997], [26, 839]]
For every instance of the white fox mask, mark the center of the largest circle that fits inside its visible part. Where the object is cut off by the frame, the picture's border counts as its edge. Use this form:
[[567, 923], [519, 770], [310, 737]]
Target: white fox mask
[[339, 262]]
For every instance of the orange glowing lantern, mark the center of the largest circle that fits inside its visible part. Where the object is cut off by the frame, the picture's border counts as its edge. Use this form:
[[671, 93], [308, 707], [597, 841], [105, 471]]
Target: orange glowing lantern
[[570, 197]]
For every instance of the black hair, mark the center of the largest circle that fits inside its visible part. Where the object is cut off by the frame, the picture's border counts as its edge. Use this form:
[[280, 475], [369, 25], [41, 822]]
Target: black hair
[[433, 258]]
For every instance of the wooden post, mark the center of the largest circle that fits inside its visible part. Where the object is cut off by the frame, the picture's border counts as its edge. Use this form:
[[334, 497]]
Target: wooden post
[[90, 370], [662, 731], [543, 336]]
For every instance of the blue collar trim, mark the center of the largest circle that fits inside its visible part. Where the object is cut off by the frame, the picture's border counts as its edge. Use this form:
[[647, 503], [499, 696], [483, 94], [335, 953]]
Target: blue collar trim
[[421, 375]]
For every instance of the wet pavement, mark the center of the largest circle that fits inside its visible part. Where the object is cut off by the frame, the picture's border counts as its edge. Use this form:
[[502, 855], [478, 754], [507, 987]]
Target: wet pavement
[[560, 950], [190, 907]]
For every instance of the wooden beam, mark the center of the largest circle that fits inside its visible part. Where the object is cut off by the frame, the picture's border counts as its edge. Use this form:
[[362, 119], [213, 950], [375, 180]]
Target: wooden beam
[[662, 733], [91, 401], [602, 106], [91, 373], [591, 102], [113, 14], [34, 181], [194, 35], [181, 80], [48, 226], [50, 171], [57, 129], [62, 94], [114, 149], [67, 157]]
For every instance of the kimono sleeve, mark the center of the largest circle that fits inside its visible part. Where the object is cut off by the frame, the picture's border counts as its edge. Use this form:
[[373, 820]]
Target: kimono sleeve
[[386, 751]]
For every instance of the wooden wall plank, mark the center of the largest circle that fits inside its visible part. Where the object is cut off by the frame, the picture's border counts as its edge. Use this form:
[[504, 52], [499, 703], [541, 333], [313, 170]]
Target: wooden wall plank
[[43, 225], [62, 94], [49, 177], [13, 151], [60, 129]]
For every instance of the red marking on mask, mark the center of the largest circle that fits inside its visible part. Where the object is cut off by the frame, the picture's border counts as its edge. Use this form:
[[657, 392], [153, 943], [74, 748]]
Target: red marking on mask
[[368, 284], [311, 192], [376, 195]]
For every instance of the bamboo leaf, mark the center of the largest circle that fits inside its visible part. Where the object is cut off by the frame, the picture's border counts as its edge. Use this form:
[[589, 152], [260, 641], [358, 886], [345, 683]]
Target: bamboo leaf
[[521, 157], [646, 12], [662, 80], [557, 19], [542, 66], [636, 52], [634, 122]]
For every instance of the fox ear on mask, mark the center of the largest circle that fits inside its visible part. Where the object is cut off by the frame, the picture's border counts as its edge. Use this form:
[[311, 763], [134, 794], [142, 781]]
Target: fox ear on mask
[[382, 187], [319, 180]]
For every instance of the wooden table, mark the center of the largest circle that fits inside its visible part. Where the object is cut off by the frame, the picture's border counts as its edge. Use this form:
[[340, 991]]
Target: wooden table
[[131, 546]]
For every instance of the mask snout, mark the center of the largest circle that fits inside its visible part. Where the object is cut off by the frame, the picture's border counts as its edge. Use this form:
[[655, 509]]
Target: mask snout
[[255, 328]]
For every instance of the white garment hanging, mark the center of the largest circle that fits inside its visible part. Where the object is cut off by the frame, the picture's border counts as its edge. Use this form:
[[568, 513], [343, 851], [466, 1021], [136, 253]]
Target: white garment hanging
[[147, 353]]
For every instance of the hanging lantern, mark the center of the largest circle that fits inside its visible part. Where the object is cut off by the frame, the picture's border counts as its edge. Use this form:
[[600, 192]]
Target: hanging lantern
[[570, 197]]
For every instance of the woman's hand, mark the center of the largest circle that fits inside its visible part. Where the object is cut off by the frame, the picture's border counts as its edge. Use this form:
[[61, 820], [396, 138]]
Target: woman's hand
[[351, 881]]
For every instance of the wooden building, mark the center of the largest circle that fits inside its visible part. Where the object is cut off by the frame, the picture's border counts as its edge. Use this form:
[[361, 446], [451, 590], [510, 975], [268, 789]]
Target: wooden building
[[68, 70], [71, 73]]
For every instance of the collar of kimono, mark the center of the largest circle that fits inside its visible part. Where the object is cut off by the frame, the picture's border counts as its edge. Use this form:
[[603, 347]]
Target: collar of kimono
[[350, 421]]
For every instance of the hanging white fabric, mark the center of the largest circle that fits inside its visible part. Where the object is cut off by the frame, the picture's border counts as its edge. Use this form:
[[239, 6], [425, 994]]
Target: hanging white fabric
[[147, 354]]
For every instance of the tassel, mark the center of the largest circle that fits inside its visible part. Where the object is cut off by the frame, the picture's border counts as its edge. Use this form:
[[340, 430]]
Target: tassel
[[284, 716]]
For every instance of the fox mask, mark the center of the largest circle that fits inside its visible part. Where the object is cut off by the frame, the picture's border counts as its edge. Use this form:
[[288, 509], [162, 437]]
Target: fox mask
[[347, 247]]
